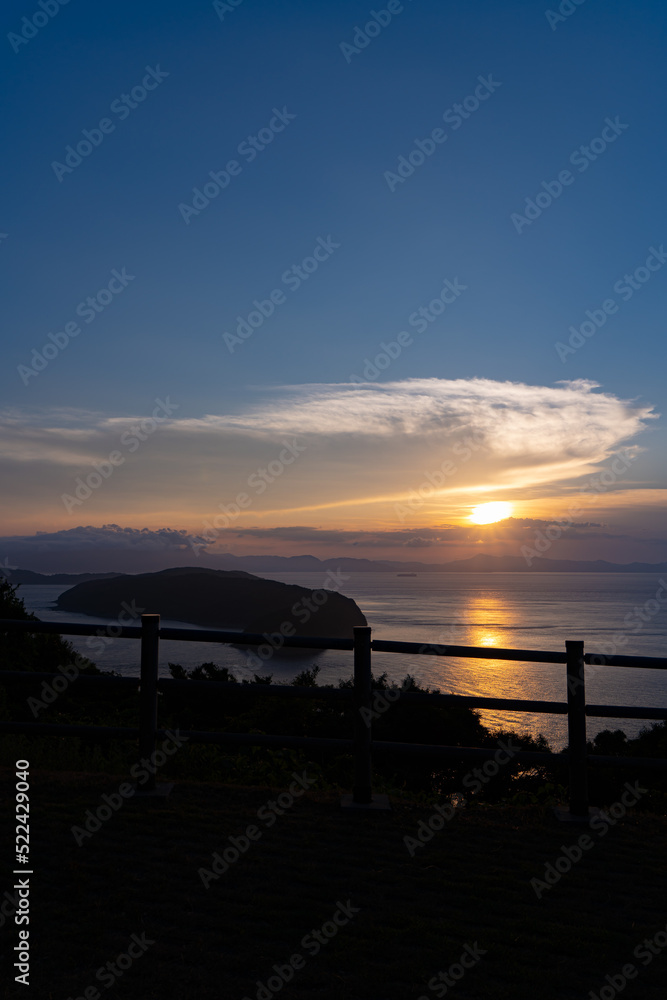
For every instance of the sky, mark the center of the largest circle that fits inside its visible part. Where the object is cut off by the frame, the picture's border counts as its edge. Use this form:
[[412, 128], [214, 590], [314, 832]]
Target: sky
[[321, 278]]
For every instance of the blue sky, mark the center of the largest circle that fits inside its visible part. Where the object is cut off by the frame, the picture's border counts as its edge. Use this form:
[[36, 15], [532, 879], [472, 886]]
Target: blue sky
[[323, 177]]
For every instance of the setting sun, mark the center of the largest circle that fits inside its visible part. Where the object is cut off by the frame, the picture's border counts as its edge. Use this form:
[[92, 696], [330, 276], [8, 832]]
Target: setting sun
[[487, 513]]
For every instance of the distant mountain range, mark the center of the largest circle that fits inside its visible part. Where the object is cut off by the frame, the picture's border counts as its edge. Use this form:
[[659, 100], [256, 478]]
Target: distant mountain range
[[27, 576], [303, 564], [476, 564]]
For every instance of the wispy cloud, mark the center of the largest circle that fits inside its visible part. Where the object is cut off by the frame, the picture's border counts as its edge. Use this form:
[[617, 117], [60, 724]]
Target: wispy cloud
[[364, 446], [568, 419]]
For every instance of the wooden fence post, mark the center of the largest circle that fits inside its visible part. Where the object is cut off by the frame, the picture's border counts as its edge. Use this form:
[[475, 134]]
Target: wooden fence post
[[361, 789], [576, 726], [150, 643]]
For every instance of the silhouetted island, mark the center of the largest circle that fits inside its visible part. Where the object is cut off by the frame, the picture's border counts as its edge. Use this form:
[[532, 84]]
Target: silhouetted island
[[219, 599]]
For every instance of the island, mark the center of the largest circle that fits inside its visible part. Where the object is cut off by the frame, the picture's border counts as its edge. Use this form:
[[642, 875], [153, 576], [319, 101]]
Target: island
[[220, 599]]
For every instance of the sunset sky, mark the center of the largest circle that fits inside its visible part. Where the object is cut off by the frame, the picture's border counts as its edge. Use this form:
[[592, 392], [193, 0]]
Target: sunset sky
[[281, 284]]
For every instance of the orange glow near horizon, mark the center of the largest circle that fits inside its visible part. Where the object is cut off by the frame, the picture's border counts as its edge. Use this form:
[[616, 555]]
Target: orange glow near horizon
[[488, 513]]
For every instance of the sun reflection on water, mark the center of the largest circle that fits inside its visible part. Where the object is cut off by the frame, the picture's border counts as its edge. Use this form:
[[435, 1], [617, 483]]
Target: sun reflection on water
[[487, 612], [490, 621]]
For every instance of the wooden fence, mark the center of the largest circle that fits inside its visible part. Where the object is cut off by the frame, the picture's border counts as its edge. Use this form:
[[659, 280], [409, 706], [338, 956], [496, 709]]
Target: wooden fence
[[361, 743]]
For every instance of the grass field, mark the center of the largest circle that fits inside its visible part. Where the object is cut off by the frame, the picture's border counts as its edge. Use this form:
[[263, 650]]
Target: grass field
[[469, 885]]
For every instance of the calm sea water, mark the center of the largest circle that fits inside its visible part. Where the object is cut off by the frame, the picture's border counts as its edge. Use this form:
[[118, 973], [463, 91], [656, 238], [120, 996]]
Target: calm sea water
[[510, 610]]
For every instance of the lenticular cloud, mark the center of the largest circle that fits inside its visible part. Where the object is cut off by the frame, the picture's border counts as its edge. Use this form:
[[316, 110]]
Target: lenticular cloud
[[567, 421]]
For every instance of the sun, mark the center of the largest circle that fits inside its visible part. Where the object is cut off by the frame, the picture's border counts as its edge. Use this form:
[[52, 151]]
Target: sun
[[487, 513]]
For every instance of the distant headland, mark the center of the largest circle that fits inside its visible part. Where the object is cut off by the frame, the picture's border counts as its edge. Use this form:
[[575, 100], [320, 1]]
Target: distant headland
[[219, 599]]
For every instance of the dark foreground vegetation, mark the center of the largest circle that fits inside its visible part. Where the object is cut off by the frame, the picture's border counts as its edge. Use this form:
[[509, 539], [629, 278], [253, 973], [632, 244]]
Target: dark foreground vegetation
[[241, 707], [221, 886]]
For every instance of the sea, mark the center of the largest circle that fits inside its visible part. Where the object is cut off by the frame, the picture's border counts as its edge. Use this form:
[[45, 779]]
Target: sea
[[623, 613]]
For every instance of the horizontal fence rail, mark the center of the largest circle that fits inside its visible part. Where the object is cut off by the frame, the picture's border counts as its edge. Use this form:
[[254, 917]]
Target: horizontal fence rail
[[361, 744], [331, 642]]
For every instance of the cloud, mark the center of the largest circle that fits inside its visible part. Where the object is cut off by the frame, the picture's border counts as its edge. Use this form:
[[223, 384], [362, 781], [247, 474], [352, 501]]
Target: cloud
[[145, 539], [106, 536], [510, 529], [364, 447], [111, 548], [105, 548], [515, 419]]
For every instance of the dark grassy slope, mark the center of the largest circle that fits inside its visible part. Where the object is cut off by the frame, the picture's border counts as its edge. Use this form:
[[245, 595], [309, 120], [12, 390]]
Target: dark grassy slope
[[471, 883]]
